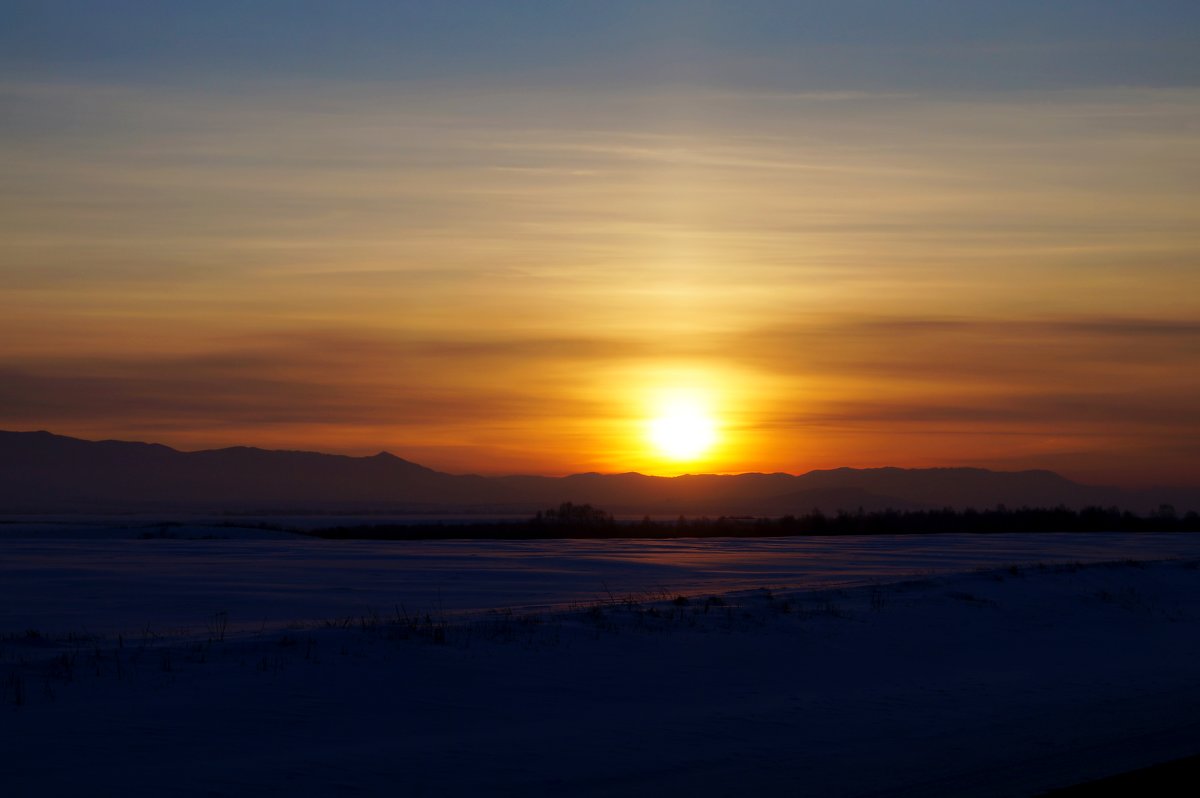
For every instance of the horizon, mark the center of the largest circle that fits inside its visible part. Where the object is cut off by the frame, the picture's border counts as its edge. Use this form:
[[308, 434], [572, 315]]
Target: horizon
[[500, 474], [658, 236]]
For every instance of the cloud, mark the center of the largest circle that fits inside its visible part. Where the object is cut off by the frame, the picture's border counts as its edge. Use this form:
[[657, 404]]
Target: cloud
[[320, 378], [1017, 349], [466, 265], [1033, 414]]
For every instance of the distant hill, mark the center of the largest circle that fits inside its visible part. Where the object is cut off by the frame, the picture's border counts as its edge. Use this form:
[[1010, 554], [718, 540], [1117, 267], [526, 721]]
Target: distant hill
[[42, 472]]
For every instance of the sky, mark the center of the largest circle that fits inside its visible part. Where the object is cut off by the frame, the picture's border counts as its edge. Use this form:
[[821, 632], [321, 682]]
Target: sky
[[515, 237]]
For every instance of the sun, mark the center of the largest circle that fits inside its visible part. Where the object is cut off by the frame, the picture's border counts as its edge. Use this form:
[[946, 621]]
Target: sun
[[682, 429]]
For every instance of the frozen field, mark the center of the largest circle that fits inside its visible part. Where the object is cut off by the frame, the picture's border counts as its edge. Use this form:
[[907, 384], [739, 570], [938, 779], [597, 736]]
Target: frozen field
[[92, 583], [940, 666]]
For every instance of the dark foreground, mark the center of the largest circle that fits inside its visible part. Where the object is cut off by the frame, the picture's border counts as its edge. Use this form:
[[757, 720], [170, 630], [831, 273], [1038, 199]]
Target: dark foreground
[[1179, 777], [1006, 682]]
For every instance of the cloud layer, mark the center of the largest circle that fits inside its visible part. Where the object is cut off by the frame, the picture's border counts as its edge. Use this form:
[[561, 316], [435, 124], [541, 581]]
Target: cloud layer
[[496, 268]]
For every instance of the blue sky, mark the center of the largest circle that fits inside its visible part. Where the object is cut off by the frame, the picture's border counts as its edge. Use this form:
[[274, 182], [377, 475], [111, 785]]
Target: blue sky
[[850, 44]]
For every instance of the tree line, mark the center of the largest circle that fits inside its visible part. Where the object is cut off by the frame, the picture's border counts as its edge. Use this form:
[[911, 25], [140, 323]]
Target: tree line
[[570, 520]]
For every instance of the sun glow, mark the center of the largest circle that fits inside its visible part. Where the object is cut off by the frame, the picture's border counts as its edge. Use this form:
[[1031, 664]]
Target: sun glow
[[683, 429]]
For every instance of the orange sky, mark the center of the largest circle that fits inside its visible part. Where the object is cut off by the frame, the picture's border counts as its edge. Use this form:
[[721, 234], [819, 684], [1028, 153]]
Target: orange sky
[[502, 280]]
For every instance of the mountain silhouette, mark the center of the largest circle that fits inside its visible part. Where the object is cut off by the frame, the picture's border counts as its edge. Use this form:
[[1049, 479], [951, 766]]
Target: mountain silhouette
[[43, 472]]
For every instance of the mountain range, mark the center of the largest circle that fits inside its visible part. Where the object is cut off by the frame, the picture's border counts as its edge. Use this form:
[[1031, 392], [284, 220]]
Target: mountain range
[[43, 472]]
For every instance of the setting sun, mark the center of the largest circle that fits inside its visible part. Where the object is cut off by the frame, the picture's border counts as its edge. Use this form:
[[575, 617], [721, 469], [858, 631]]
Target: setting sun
[[683, 429]]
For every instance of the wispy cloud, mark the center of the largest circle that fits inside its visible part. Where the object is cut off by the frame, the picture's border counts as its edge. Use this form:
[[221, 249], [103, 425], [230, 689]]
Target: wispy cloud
[[463, 268]]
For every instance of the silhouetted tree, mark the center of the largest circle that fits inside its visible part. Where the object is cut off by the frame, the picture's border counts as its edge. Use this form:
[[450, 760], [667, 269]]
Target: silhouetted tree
[[578, 516]]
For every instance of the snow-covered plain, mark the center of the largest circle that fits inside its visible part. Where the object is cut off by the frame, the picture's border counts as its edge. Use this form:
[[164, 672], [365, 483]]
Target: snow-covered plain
[[92, 579], [943, 665]]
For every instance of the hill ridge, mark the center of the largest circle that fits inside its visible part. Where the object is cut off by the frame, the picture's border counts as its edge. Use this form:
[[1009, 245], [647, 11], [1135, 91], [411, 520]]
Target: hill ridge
[[41, 471]]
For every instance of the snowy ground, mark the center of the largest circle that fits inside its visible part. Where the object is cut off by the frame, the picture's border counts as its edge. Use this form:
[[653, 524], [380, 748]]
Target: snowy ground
[[872, 666], [108, 580]]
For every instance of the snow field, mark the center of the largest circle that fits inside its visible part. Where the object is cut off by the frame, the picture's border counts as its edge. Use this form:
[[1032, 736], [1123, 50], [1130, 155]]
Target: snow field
[[1002, 681]]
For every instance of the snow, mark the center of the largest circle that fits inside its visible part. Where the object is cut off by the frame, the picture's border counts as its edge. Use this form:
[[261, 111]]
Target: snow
[[948, 665], [99, 585]]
